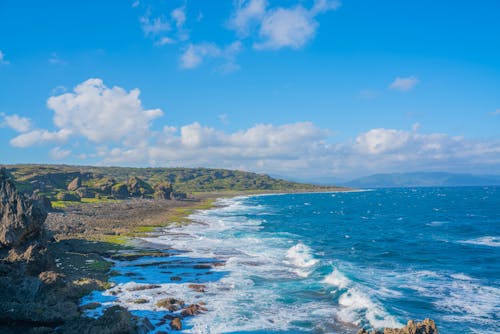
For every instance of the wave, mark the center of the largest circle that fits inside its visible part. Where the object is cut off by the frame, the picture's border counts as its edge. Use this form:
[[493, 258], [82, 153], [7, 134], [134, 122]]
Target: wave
[[483, 241], [301, 257], [356, 306]]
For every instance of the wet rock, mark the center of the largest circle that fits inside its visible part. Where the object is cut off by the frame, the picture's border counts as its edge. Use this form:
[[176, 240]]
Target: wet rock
[[141, 301], [115, 319], [171, 304], [176, 324], [145, 287], [192, 310], [90, 306], [175, 278], [143, 326], [197, 287], [425, 327]]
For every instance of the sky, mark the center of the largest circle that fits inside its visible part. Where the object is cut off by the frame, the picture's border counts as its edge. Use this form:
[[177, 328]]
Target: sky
[[303, 89]]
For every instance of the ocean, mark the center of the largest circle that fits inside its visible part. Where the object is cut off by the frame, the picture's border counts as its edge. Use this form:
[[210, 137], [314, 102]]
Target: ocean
[[329, 263]]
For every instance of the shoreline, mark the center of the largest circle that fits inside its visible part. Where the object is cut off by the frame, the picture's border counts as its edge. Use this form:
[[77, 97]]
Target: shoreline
[[124, 247]]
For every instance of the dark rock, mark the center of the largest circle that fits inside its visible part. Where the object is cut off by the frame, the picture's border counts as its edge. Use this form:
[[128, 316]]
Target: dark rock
[[177, 195], [176, 278], [75, 184], [119, 191], [115, 319], [21, 219], [176, 324]]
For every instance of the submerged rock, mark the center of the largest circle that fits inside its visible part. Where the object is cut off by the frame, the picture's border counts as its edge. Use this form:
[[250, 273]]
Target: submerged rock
[[425, 327]]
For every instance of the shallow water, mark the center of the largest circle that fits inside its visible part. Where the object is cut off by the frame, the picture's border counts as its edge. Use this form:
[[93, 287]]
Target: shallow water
[[329, 262]]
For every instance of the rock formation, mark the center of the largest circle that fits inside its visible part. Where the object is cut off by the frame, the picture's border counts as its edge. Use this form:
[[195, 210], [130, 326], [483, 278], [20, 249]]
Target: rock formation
[[425, 327], [162, 190], [138, 188], [75, 184]]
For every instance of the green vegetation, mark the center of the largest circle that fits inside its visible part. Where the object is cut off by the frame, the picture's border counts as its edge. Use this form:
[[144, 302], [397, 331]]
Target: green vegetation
[[68, 185]]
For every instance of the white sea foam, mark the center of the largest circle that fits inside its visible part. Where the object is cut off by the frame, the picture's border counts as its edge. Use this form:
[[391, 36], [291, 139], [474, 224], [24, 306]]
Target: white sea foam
[[300, 256], [337, 279], [483, 241]]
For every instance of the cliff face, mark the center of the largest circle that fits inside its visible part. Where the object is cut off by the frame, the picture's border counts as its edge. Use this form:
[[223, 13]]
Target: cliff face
[[21, 219], [24, 260]]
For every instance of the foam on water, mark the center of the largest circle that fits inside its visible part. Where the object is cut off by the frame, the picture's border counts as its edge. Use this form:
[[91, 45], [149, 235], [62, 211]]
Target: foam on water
[[484, 241]]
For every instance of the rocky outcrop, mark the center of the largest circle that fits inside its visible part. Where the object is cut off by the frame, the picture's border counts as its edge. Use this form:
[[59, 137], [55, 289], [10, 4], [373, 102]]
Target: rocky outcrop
[[21, 219], [119, 191], [162, 190], [425, 327], [138, 188], [75, 184]]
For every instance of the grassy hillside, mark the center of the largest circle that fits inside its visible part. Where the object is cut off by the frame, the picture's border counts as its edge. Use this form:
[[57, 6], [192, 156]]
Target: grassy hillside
[[64, 182]]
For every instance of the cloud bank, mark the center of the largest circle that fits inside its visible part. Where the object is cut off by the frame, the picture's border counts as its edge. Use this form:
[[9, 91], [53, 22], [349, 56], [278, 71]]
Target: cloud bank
[[115, 128]]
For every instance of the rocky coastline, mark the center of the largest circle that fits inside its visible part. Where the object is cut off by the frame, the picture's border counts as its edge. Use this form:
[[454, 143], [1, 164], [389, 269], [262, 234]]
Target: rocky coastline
[[48, 262]]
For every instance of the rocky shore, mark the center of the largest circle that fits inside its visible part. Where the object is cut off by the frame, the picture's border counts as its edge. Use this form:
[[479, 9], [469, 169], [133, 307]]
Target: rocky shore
[[49, 261]]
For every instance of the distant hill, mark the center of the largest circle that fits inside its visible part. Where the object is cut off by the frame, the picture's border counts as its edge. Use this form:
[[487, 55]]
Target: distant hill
[[70, 183], [423, 179]]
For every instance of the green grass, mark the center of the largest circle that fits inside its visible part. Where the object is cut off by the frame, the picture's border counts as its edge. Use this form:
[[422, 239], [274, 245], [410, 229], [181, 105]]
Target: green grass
[[116, 239], [65, 204]]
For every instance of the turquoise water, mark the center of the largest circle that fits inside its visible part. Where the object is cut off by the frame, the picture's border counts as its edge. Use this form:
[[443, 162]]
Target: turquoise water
[[334, 262]]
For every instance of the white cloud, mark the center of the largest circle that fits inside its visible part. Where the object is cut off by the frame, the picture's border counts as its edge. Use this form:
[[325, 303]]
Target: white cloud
[[114, 122], [58, 153], [135, 4], [179, 16], [195, 54], [97, 113], [279, 27], [404, 84], [496, 112], [17, 123], [37, 137], [287, 28], [3, 61], [153, 26], [246, 14], [165, 41]]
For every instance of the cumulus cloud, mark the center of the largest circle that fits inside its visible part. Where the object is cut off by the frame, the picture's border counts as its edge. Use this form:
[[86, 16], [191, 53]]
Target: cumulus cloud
[[195, 54], [97, 113], [37, 137], [3, 61], [16, 122], [404, 84], [115, 124], [279, 27]]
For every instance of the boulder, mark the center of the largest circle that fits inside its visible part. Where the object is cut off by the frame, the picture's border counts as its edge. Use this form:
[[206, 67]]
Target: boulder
[[75, 184], [21, 219], [84, 192], [192, 310], [176, 324], [425, 327]]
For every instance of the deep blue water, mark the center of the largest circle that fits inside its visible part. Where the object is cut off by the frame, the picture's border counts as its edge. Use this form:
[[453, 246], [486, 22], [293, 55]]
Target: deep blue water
[[413, 253], [334, 262]]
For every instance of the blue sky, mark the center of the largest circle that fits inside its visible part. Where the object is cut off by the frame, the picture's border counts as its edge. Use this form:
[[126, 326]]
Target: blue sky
[[299, 88]]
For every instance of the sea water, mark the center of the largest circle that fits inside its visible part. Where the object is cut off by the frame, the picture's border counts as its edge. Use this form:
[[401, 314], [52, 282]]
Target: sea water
[[335, 262]]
